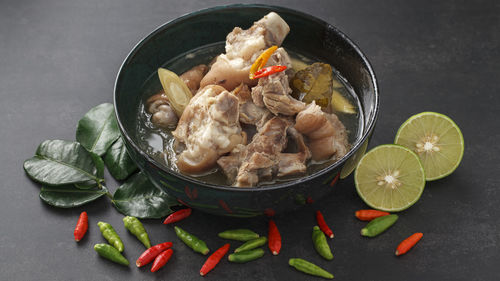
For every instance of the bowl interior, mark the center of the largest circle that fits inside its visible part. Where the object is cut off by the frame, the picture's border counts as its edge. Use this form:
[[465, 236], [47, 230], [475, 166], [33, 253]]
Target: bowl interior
[[308, 35]]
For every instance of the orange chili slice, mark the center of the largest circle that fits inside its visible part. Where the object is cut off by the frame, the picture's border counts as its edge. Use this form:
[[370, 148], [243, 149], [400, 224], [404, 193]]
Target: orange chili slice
[[261, 61]]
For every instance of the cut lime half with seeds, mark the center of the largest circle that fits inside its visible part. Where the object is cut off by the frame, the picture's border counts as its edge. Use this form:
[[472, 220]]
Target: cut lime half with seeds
[[436, 139], [390, 178]]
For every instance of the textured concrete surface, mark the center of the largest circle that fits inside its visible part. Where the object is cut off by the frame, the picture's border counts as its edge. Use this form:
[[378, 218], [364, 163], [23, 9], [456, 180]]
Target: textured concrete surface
[[59, 58]]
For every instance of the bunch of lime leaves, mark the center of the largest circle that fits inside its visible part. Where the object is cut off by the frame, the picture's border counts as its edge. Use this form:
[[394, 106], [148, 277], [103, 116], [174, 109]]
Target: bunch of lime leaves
[[391, 177]]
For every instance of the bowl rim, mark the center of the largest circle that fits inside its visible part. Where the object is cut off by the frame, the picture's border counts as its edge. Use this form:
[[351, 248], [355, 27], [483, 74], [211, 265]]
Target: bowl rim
[[279, 185]]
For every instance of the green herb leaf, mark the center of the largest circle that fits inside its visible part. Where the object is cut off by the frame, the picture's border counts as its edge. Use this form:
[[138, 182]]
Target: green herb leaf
[[59, 162], [119, 163], [68, 196], [99, 163], [313, 83], [98, 129], [138, 197]]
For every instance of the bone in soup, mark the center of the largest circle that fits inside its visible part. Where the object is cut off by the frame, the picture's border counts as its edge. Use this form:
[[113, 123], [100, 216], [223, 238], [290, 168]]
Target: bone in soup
[[248, 112]]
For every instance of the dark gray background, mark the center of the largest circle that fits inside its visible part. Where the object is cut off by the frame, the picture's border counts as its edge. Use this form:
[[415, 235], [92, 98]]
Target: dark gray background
[[59, 58]]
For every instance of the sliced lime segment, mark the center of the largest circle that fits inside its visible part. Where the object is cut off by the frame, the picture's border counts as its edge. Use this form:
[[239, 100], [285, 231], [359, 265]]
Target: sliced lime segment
[[390, 178], [436, 139], [351, 164]]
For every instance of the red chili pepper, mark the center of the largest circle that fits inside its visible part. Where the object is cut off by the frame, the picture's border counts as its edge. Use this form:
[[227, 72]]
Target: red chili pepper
[[274, 241], [368, 215], [81, 226], [177, 216], [322, 224], [269, 212], [214, 259], [335, 180], [266, 71], [151, 253], [408, 243], [161, 259]]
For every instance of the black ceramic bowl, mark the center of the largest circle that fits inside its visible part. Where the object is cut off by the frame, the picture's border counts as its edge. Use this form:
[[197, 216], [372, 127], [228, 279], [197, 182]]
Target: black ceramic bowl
[[307, 35]]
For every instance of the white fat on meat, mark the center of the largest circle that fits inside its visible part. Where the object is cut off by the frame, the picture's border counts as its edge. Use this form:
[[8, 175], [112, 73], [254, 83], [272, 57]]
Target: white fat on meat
[[242, 48], [208, 128], [327, 136]]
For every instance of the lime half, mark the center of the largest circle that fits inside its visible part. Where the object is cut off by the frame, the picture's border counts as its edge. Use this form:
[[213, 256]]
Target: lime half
[[436, 139], [390, 178]]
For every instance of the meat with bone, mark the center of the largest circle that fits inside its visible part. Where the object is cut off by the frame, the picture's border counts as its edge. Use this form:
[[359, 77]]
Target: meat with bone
[[162, 115], [242, 48], [291, 164], [245, 163], [326, 134], [249, 112], [260, 160], [193, 77], [208, 128], [273, 91]]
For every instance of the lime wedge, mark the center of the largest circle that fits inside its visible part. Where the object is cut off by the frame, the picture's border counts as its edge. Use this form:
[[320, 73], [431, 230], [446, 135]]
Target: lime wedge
[[390, 178], [436, 139], [351, 164]]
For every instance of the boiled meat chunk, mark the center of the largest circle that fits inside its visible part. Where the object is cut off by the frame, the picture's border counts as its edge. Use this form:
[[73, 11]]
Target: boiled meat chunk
[[162, 115], [242, 48], [259, 160], [193, 77], [208, 128], [291, 164], [249, 112], [273, 91], [326, 134]]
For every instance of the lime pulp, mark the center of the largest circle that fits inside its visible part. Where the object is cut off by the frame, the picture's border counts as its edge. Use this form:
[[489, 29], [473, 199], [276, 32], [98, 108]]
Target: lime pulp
[[390, 178]]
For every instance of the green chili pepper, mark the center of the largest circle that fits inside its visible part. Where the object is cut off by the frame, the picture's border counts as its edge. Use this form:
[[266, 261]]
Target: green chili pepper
[[309, 268], [192, 241], [110, 253], [252, 244], [246, 256], [239, 234], [320, 243], [110, 234], [135, 227], [378, 225]]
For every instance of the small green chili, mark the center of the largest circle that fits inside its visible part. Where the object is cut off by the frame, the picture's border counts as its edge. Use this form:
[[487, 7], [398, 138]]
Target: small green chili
[[320, 243], [239, 234], [192, 241], [246, 256], [309, 268], [252, 244], [110, 234], [110, 253], [135, 227], [378, 225]]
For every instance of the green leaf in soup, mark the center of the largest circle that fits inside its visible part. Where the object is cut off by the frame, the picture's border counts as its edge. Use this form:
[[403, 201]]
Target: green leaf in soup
[[59, 162], [119, 163], [68, 196], [98, 129], [140, 198], [314, 83]]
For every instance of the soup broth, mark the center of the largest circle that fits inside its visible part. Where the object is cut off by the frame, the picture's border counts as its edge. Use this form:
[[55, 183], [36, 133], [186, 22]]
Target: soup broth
[[158, 143]]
